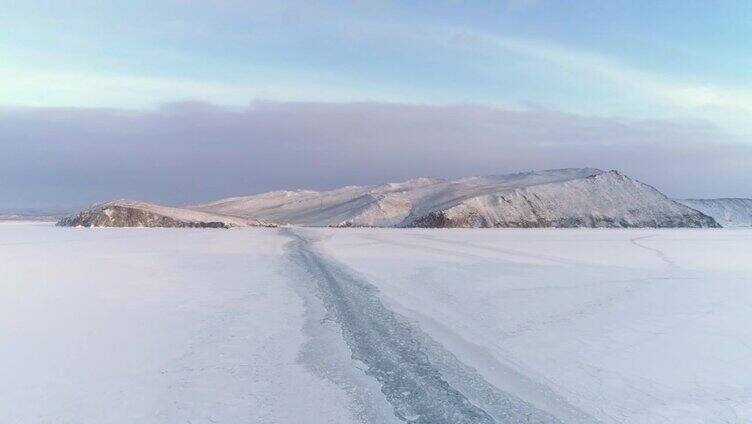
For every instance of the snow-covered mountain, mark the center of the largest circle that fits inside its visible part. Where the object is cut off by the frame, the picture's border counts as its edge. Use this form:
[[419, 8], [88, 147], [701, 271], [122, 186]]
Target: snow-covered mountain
[[555, 198], [729, 212], [577, 197], [131, 213]]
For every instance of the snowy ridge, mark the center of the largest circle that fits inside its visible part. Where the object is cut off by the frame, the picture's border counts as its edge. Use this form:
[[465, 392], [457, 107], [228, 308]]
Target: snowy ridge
[[387, 205], [729, 212], [131, 213], [572, 197], [372, 206]]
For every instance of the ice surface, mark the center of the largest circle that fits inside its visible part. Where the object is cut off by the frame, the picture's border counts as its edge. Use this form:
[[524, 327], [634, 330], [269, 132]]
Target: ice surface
[[156, 326], [645, 326], [194, 325]]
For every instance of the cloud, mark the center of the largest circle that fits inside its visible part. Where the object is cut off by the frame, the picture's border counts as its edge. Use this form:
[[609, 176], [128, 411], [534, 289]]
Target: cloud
[[80, 89], [729, 106], [187, 152], [231, 53]]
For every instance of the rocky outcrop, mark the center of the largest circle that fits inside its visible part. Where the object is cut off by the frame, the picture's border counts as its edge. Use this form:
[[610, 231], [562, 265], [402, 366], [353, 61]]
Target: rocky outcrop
[[125, 213]]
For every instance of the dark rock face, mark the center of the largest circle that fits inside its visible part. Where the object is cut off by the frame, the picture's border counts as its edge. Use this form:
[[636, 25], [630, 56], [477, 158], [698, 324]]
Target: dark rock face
[[124, 216]]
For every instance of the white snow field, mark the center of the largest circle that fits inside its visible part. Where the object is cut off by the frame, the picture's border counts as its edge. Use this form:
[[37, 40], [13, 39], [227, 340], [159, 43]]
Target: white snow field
[[304, 325]]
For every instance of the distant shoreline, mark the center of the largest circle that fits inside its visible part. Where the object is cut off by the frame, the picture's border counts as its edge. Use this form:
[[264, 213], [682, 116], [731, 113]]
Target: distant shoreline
[[29, 218]]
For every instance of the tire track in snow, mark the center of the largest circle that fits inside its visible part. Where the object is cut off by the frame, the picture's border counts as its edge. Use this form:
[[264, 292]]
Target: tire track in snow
[[398, 355]]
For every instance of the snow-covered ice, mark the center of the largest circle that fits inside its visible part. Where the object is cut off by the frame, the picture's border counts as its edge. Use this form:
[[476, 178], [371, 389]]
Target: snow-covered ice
[[630, 326], [304, 325], [154, 326]]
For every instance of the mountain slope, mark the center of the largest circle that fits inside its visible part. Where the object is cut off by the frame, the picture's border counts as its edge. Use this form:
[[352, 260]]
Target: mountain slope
[[729, 212], [374, 206], [130, 213], [603, 199], [387, 205]]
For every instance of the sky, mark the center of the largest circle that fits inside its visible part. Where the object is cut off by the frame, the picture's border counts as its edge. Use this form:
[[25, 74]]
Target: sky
[[185, 101]]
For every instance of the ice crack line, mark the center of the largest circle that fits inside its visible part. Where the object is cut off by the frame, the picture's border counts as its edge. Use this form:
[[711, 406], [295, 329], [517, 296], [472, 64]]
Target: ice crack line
[[396, 354], [661, 255]]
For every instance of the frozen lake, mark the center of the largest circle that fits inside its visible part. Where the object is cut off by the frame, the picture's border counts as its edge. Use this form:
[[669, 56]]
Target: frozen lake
[[297, 325]]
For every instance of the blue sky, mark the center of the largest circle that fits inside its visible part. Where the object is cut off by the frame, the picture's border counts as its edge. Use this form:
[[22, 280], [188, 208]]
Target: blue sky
[[669, 59], [634, 63]]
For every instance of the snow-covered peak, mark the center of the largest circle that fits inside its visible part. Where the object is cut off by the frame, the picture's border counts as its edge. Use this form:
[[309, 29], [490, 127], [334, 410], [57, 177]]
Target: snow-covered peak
[[604, 199]]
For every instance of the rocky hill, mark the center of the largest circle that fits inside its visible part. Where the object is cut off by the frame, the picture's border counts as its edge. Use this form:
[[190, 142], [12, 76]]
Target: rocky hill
[[130, 213]]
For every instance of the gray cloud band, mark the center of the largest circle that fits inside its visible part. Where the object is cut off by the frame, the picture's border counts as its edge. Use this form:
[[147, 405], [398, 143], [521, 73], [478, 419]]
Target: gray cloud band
[[186, 152]]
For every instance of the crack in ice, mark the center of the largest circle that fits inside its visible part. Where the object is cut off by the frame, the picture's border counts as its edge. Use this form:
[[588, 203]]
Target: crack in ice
[[659, 253], [398, 355]]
